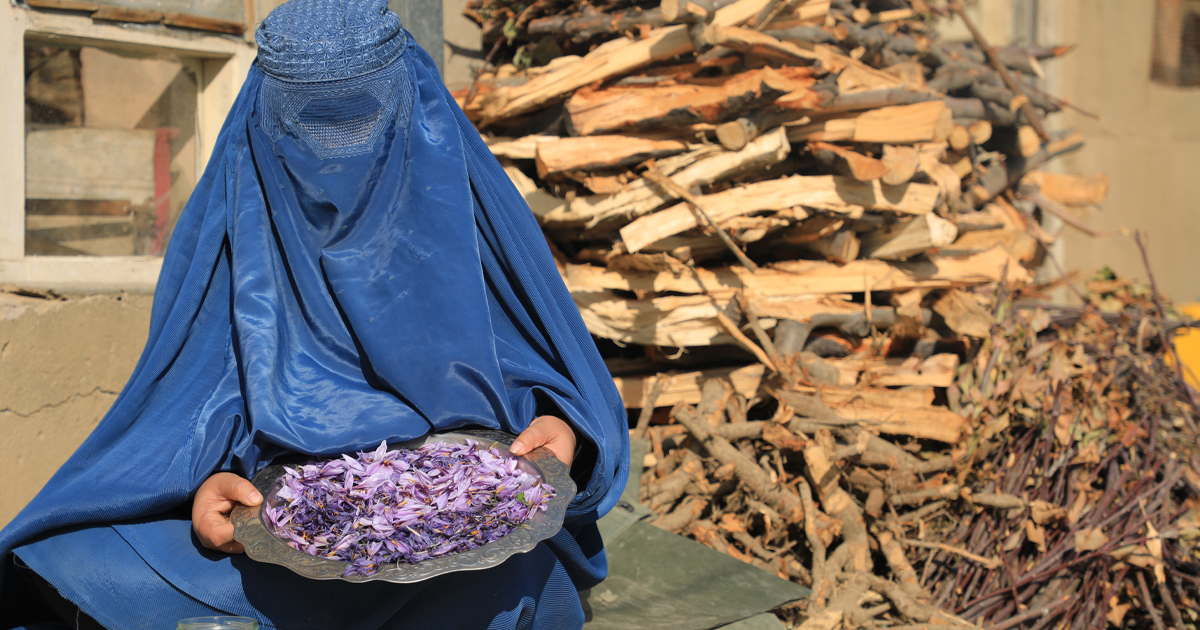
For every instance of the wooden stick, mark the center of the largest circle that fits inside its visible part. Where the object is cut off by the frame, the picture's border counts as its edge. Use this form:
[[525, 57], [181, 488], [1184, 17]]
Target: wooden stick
[[745, 342], [643, 422], [820, 592], [753, 477], [990, 563], [653, 175], [998, 65]]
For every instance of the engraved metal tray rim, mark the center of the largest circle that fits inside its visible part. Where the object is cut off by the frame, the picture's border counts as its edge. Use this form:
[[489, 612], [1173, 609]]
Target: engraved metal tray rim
[[263, 546]]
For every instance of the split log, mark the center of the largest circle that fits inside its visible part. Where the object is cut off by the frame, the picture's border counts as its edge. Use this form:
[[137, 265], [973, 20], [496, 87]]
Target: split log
[[838, 194], [736, 134], [624, 108], [685, 388], [848, 162], [599, 152], [610, 59], [519, 149], [960, 138], [888, 411], [901, 163], [963, 314], [1021, 140], [594, 23], [931, 121], [1019, 243], [540, 202], [980, 130], [876, 99], [674, 10], [697, 168], [917, 236], [842, 247], [752, 42], [1070, 189], [804, 278]]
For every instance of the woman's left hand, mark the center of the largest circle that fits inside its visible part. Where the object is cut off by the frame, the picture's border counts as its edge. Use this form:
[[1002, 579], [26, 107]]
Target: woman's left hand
[[553, 433]]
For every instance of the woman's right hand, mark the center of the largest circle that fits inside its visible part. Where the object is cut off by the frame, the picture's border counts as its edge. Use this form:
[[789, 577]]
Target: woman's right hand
[[211, 508]]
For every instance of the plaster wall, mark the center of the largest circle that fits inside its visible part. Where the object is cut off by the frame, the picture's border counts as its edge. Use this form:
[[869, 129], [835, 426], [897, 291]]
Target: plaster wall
[[1147, 142], [62, 364]]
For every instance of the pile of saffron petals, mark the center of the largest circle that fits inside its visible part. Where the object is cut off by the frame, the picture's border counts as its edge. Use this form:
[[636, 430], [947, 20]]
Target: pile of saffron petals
[[404, 505]]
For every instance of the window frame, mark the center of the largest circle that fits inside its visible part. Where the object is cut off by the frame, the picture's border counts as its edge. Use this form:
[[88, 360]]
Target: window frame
[[1166, 54], [223, 62]]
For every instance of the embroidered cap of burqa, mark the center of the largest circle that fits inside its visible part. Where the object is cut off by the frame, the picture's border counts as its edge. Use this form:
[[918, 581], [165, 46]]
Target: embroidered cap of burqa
[[354, 266]]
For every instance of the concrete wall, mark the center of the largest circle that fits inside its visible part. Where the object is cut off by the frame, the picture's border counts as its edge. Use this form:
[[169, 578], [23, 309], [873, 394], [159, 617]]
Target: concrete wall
[[62, 364]]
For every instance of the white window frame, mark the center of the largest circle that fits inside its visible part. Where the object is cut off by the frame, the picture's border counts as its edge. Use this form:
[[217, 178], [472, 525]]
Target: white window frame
[[223, 63]]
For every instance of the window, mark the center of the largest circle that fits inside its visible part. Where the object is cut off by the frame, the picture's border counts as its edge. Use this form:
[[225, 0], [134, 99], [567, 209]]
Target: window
[[1176, 55], [105, 134], [110, 149]]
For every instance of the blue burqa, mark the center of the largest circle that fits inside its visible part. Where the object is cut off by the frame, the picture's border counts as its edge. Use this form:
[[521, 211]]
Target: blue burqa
[[354, 266]]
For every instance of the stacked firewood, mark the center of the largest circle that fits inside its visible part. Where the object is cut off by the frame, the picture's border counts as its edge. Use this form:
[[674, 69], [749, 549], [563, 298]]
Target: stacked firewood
[[805, 234]]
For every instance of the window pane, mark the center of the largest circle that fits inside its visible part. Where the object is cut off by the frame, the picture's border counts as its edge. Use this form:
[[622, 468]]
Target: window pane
[[110, 150]]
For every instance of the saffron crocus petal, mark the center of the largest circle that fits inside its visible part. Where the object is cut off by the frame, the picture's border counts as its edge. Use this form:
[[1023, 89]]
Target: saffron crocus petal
[[405, 505]]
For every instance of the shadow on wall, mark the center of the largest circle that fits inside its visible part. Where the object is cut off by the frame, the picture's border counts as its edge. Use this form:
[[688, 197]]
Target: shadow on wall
[[62, 364]]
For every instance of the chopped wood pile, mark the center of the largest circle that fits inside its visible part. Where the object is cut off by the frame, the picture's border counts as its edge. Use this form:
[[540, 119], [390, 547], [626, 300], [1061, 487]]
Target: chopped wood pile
[[805, 235]]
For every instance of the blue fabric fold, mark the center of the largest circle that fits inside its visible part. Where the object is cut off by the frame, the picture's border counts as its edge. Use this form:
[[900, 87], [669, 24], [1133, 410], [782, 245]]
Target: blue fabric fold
[[320, 305]]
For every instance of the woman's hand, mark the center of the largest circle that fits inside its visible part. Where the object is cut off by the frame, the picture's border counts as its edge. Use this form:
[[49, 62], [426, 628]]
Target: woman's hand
[[548, 431], [210, 510]]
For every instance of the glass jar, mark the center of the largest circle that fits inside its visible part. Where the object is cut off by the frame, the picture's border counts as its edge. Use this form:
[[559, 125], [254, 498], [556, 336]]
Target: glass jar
[[217, 623]]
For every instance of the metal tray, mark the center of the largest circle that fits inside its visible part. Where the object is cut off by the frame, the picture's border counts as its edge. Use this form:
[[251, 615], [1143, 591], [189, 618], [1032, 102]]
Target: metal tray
[[262, 545]]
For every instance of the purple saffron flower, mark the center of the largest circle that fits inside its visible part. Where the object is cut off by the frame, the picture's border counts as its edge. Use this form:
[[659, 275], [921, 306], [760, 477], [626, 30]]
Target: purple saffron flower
[[405, 505]]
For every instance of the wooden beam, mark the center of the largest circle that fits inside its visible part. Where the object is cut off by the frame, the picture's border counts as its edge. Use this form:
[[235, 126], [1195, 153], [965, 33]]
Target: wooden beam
[[83, 275], [62, 28], [12, 131]]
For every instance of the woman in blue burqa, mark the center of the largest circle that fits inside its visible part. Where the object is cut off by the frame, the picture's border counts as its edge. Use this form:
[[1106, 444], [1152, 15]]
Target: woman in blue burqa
[[353, 267]]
